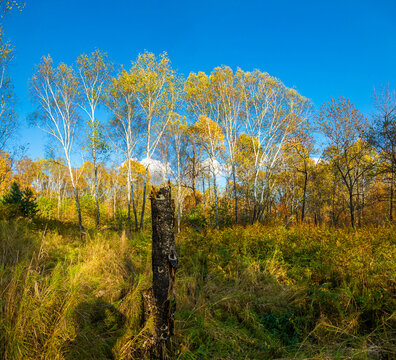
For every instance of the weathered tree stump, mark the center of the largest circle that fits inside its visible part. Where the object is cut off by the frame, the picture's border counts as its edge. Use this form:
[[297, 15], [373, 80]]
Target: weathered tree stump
[[159, 301]]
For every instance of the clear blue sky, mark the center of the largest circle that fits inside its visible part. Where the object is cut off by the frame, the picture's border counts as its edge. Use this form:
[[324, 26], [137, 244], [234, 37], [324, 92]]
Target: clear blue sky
[[322, 48]]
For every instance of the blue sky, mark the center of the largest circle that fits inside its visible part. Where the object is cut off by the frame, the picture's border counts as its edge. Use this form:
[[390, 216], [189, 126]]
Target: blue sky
[[322, 48]]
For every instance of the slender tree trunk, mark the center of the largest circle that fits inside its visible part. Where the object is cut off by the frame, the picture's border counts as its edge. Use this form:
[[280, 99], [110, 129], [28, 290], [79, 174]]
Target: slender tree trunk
[[114, 205], [254, 211], [75, 191], [203, 189], [78, 208], [391, 198], [235, 193], [358, 204], [304, 196], [96, 187], [178, 192], [216, 201], [362, 206], [194, 189], [194, 185], [133, 205], [351, 207], [194, 176], [144, 200], [247, 203], [59, 203], [129, 195], [333, 217], [255, 200], [178, 217]]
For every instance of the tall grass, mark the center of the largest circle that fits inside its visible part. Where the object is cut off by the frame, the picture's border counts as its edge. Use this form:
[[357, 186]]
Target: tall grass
[[242, 293]]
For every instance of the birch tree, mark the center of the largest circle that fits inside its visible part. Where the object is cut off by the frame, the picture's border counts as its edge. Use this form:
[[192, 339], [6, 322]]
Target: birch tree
[[94, 74], [124, 129], [55, 91], [227, 88], [178, 132], [212, 140], [200, 95], [157, 93], [271, 113]]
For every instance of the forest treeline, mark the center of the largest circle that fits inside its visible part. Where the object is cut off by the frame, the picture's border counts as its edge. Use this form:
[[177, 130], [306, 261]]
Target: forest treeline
[[237, 146]]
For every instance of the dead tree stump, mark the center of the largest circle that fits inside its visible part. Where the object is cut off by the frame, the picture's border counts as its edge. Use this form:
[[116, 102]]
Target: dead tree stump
[[159, 301]]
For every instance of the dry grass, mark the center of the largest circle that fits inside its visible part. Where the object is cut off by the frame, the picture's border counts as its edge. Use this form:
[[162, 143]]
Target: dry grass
[[242, 293]]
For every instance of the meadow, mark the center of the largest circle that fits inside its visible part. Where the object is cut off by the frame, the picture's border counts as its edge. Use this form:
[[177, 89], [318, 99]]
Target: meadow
[[253, 292]]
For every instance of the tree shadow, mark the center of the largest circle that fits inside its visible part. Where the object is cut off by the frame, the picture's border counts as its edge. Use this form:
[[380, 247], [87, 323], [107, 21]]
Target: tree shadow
[[98, 326]]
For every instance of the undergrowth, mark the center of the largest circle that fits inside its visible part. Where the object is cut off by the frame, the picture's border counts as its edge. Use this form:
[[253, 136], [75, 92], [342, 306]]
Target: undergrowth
[[251, 292]]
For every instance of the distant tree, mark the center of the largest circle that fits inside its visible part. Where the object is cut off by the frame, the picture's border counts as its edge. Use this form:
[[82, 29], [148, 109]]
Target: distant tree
[[382, 135], [157, 92], [124, 128], [203, 104], [244, 164], [228, 97], [8, 116], [94, 75], [344, 126], [29, 173], [57, 172], [299, 149], [55, 91], [178, 134], [5, 171], [211, 138], [191, 152], [272, 113]]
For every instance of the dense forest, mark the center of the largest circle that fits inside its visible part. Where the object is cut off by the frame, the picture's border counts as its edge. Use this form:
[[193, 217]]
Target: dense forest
[[284, 214]]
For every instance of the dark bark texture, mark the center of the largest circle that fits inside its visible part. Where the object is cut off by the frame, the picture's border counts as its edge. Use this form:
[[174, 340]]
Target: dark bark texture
[[159, 301]]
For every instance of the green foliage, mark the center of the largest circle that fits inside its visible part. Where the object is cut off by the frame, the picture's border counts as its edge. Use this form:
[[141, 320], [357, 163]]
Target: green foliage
[[224, 212], [269, 292], [281, 326], [196, 218], [23, 203], [47, 207]]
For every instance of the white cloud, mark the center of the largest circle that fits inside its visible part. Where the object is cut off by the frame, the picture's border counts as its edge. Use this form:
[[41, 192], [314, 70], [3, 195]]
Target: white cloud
[[159, 172]]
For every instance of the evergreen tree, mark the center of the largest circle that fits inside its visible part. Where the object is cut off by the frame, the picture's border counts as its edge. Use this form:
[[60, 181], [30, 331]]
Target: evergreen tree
[[23, 201]]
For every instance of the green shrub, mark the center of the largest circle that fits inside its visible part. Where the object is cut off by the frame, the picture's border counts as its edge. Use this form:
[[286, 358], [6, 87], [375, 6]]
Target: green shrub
[[22, 203], [47, 207], [196, 218]]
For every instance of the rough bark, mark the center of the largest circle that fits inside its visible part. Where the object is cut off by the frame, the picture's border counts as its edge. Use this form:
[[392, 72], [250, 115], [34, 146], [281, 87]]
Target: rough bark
[[159, 301]]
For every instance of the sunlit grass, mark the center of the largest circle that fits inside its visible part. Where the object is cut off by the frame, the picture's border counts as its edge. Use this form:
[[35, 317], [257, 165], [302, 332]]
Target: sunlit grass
[[242, 293]]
